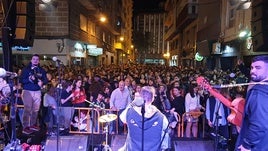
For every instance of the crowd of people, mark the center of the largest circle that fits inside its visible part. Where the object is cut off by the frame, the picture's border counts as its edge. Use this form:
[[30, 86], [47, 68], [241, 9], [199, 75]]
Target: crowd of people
[[177, 94]]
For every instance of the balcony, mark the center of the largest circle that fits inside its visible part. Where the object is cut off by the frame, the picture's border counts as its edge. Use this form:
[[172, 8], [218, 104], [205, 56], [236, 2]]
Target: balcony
[[186, 16]]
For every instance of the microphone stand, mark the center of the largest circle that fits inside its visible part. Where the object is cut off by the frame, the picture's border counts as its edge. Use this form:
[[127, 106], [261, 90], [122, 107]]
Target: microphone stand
[[92, 126], [59, 90], [216, 123], [142, 127]]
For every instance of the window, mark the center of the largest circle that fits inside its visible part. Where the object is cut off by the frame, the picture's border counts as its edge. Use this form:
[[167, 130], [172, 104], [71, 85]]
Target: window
[[83, 23], [103, 37], [230, 17], [91, 27]]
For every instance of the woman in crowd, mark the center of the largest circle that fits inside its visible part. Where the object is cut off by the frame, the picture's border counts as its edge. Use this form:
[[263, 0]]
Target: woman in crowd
[[192, 104], [179, 101], [78, 94]]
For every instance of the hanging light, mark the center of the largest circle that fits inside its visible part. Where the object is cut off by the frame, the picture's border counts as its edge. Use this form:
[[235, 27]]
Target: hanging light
[[47, 5], [244, 5], [46, 1]]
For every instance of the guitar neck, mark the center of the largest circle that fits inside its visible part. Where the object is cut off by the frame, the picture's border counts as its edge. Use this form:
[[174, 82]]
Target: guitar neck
[[221, 98]]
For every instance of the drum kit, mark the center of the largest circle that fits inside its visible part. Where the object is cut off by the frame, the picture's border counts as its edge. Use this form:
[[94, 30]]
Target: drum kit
[[107, 119], [5, 94]]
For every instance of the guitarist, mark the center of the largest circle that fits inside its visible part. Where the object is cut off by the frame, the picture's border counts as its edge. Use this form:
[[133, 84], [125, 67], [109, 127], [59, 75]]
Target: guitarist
[[254, 130]]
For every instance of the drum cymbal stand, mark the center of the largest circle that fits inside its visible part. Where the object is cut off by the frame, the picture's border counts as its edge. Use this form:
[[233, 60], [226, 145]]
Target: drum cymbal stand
[[106, 130]]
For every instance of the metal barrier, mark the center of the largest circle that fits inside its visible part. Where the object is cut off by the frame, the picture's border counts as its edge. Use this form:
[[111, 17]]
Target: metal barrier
[[91, 123], [187, 117], [179, 126]]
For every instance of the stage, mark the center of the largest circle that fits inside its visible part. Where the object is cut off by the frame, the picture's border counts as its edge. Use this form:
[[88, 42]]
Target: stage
[[96, 142]]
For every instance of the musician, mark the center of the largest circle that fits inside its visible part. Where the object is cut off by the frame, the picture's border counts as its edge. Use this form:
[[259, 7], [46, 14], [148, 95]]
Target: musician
[[163, 105], [216, 114], [155, 124], [33, 77], [253, 135]]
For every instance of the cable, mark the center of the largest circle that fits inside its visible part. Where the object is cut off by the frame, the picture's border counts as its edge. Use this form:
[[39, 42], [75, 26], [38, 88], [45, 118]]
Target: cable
[[6, 15]]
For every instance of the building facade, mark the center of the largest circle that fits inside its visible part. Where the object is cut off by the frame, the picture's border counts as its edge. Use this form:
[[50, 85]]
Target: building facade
[[180, 31], [193, 30], [73, 32], [148, 31]]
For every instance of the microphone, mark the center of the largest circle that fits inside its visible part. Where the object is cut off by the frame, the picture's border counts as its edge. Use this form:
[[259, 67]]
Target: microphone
[[56, 59], [138, 101], [4, 73]]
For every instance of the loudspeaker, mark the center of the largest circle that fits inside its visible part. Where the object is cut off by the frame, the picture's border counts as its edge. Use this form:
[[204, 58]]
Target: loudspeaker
[[67, 143], [193, 145], [25, 23], [95, 139], [259, 25]]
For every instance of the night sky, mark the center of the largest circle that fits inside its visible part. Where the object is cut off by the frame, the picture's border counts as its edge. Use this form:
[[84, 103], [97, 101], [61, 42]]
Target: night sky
[[146, 5]]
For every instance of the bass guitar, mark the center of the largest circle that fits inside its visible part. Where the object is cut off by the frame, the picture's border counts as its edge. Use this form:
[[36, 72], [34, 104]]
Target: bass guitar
[[236, 106]]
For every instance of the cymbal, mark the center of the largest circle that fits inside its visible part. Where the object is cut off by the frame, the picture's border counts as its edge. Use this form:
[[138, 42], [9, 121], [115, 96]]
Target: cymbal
[[107, 118]]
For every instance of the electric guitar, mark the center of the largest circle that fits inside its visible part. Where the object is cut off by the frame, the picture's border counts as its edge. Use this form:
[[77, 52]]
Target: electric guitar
[[236, 106]]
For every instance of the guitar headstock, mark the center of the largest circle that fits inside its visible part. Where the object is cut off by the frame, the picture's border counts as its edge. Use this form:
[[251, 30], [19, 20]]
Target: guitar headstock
[[202, 82]]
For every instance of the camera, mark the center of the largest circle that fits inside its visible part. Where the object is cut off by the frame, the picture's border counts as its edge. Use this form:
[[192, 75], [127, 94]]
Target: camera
[[36, 73]]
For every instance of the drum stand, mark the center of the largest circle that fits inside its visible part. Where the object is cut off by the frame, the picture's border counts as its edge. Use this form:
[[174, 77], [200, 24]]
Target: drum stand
[[107, 119], [106, 146]]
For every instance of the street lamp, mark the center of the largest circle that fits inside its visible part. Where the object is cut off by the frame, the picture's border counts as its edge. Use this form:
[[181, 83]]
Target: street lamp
[[103, 19], [244, 33], [166, 56]]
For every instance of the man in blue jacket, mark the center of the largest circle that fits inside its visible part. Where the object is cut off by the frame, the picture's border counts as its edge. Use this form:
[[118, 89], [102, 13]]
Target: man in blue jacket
[[253, 135], [33, 77]]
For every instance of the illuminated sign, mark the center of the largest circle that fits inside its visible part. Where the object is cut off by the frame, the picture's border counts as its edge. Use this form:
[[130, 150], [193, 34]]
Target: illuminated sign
[[20, 48], [198, 57], [118, 45], [91, 46], [95, 51]]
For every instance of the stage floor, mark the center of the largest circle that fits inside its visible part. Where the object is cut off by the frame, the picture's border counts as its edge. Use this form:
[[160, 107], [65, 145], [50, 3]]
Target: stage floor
[[87, 142]]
